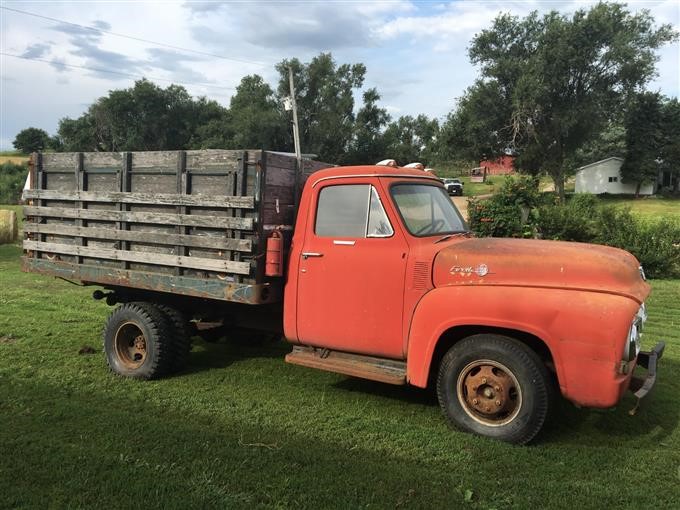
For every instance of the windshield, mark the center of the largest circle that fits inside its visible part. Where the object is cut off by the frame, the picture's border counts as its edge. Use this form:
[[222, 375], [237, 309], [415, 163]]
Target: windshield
[[426, 210]]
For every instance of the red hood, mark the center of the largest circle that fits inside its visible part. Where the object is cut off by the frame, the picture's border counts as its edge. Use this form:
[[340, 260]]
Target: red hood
[[534, 263]]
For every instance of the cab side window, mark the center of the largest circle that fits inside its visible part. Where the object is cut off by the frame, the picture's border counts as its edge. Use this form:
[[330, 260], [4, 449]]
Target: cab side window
[[351, 210]]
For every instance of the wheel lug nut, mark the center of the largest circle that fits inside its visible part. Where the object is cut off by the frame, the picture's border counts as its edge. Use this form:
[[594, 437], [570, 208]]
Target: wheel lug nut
[[497, 388], [498, 402], [475, 401], [474, 388], [483, 380]]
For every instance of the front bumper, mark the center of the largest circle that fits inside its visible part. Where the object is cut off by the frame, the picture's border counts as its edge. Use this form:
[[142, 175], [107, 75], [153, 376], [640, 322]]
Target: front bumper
[[641, 387]]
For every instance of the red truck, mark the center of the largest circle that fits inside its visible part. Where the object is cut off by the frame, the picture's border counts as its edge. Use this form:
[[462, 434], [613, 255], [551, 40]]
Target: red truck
[[368, 271]]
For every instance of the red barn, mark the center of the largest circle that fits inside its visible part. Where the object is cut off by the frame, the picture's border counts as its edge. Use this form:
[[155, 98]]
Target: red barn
[[498, 166]]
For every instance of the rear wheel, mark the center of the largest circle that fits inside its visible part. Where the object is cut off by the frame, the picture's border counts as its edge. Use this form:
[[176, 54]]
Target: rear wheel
[[137, 342], [495, 386], [180, 332]]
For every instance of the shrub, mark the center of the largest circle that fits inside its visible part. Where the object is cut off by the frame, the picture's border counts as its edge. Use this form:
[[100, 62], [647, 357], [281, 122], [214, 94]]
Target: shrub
[[520, 211], [576, 221], [656, 244], [506, 214], [12, 178]]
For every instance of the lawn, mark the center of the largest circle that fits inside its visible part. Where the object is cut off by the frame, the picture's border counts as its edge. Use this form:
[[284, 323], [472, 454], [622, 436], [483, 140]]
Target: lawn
[[649, 207], [241, 429]]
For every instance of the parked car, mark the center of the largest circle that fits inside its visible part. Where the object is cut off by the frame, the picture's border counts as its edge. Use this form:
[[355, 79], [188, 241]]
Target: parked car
[[453, 186]]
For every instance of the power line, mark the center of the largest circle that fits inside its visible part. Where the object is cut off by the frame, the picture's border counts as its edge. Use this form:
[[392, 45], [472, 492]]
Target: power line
[[134, 38], [99, 70]]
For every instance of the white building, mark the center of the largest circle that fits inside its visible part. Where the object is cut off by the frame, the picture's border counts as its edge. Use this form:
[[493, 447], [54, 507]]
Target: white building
[[605, 177]]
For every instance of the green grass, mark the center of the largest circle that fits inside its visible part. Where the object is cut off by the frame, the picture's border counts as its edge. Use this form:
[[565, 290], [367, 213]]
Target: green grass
[[649, 207], [492, 185], [241, 429]]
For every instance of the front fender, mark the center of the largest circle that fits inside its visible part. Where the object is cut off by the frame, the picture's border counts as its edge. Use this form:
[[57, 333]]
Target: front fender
[[576, 326]]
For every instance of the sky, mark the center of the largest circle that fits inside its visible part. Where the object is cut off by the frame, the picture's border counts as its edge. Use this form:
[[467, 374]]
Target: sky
[[415, 52]]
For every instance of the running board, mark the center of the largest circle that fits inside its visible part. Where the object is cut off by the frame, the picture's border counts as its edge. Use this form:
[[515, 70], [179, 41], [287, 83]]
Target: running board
[[367, 367]]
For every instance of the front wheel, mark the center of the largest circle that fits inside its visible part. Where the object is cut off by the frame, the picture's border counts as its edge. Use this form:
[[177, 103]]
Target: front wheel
[[494, 386]]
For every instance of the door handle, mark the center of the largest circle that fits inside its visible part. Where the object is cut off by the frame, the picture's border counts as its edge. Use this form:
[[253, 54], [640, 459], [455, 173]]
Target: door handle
[[307, 254]]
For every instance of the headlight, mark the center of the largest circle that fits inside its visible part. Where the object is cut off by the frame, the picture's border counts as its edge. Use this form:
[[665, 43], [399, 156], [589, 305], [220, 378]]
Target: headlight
[[633, 341]]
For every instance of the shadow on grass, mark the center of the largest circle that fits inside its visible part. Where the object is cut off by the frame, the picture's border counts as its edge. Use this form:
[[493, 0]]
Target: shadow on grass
[[226, 352]]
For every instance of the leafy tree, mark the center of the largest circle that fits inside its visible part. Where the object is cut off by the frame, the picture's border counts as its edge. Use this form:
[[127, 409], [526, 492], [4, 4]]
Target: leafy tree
[[257, 118], [643, 140], [325, 103], [77, 135], [369, 145], [611, 141], [670, 141], [559, 79], [477, 129], [143, 117], [31, 140], [410, 139]]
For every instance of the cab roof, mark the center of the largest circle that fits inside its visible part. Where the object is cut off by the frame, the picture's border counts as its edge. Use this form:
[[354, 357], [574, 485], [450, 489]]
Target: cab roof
[[370, 171]]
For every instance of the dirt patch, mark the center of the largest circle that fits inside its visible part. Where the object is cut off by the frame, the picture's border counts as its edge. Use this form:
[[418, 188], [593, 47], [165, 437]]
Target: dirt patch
[[7, 339]]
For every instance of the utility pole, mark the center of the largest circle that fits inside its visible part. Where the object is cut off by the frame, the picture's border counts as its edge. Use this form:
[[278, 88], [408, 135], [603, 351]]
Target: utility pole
[[296, 127]]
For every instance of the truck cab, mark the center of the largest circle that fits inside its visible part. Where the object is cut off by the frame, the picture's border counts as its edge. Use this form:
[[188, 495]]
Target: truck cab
[[386, 282]]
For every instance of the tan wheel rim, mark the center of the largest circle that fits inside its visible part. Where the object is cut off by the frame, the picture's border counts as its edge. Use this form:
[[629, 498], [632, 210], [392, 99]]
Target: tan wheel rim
[[130, 345], [489, 392]]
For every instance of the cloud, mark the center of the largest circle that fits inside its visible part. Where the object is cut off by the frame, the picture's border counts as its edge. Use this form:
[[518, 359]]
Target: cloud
[[173, 62], [36, 50], [315, 26], [58, 64], [86, 44], [102, 25]]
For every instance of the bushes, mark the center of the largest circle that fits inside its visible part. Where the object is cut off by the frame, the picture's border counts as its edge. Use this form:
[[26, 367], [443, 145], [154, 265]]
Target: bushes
[[506, 214], [12, 179], [518, 211], [656, 244]]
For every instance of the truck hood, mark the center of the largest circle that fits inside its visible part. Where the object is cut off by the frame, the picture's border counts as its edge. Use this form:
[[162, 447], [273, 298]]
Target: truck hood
[[536, 263]]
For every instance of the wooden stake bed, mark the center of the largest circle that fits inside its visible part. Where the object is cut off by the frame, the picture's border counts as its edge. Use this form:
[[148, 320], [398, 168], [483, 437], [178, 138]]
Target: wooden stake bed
[[186, 222]]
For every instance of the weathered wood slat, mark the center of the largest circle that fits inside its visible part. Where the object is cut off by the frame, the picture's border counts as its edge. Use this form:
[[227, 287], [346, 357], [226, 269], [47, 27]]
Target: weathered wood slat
[[226, 266], [146, 217], [196, 241], [243, 202], [211, 288]]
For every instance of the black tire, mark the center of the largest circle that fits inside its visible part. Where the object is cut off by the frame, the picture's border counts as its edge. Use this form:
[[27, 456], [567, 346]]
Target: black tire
[[495, 386], [137, 342], [181, 333]]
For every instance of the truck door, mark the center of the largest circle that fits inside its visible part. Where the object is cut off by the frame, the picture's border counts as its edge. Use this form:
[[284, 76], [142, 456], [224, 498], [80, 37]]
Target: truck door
[[351, 273]]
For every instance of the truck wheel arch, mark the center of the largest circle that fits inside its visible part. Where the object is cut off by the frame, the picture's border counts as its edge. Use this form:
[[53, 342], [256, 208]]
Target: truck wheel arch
[[433, 331], [455, 334]]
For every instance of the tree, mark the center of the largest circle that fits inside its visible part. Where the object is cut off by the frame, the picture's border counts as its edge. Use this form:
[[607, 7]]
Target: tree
[[325, 103], [31, 140], [670, 141], [559, 79], [477, 129], [410, 139], [369, 145], [611, 141], [142, 117], [257, 118], [643, 140]]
